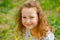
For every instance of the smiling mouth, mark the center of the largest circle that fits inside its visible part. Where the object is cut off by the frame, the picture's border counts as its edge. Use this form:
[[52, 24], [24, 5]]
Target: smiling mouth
[[28, 24]]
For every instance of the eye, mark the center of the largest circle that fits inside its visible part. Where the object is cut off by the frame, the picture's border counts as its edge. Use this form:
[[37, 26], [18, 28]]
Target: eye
[[24, 17], [31, 17]]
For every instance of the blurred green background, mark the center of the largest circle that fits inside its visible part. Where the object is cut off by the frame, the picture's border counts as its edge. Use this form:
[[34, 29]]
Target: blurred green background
[[9, 9]]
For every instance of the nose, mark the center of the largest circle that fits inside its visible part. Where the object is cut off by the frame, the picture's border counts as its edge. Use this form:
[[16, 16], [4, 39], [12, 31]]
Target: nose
[[27, 21]]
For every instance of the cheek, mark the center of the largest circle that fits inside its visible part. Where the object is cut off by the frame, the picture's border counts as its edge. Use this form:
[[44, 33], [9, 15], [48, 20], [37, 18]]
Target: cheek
[[35, 21], [23, 21]]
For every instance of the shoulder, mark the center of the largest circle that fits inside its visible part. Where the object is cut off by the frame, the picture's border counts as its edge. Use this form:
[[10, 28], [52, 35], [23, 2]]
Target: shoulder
[[50, 36]]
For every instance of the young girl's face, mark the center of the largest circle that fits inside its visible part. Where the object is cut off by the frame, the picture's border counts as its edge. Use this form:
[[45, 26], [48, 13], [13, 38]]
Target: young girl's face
[[29, 17]]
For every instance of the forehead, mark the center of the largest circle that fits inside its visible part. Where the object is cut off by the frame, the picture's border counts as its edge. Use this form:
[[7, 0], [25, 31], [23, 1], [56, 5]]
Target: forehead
[[29, 11]]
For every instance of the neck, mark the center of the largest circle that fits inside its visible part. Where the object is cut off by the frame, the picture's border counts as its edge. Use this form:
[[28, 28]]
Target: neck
[[33, 32]]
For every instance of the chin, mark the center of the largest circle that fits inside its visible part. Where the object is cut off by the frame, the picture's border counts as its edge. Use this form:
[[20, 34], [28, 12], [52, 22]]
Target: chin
[[29, 28]]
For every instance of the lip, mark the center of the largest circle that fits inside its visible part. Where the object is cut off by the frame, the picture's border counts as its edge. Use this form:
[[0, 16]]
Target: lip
[[28, 24]]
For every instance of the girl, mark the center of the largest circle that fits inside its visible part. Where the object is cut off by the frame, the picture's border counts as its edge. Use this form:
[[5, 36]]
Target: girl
[[32, 23]]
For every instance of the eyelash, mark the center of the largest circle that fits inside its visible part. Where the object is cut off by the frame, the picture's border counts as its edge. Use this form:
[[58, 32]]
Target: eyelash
[[30, 17], [24, 17]]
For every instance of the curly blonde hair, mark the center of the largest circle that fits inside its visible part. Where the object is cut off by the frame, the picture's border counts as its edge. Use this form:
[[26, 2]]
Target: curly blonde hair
[[43, 26]]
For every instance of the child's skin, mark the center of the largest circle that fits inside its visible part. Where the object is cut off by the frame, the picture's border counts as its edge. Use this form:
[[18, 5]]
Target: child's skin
[[29, 17]]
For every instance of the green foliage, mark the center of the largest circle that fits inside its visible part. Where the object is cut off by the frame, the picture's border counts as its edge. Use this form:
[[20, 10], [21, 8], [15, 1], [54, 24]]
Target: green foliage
[[55, 23], [3, 20], [6, 5], [3, 33], [53, 20], [6, 34], [45, 4], [49, 4], [11, 24]]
